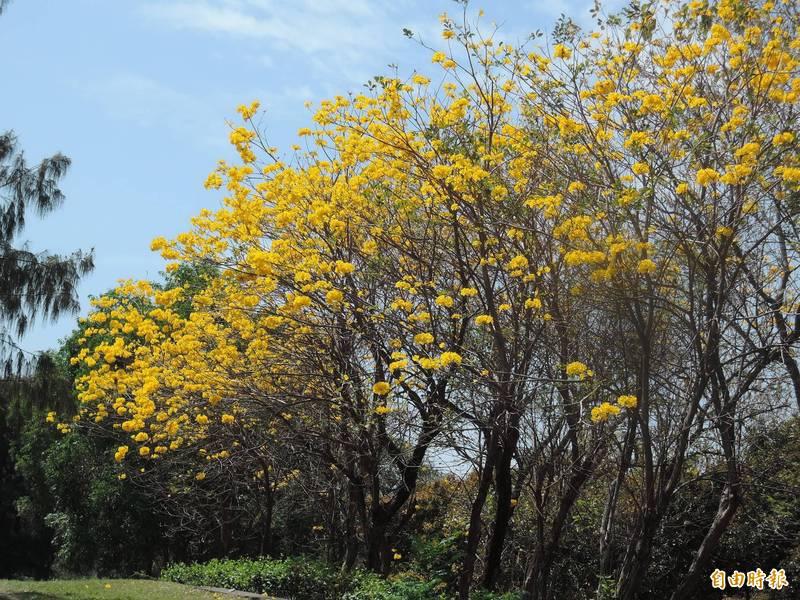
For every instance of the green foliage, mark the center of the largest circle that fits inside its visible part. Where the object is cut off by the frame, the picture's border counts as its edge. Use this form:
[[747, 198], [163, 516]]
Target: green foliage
[[291, 577], [309, 579], [100, 524], [193, 278], [766, 530], [72, 495], [439, 556], [484, 595], [606, 588], [33, 285], [25, 440], [403, 586]]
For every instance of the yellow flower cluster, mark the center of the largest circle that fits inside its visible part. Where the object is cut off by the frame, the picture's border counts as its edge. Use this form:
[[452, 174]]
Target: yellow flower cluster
[[381, 388], [418, 208], [706, 177], [604, 411], [578, 369]]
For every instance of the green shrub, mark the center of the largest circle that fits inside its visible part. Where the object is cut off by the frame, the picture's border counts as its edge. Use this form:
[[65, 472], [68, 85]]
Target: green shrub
[[483, 595], [403, 586], [294, 578], [308, 579], [439, 557]]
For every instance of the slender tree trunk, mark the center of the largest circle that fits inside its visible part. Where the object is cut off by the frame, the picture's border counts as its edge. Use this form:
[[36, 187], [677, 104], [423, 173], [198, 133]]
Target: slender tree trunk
[[502, 517], [794, 373], [225, 533], [351, 535], [266, 531], [607, 525], [728, 505], [637, 558], [537, 579], [474, 532], [654, 495], [504, 491], [731, 495], [269, 502]]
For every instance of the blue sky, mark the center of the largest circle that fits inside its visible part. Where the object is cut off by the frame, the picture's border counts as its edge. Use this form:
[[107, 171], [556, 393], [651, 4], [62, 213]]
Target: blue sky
[[137, 94]]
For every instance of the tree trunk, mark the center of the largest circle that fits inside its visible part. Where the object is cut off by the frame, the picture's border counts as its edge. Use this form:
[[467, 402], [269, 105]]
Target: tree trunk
[[538, 575], [266, 530], [378, 551], [728, 504], [637, 558], [610, 511], [351, 536], [503, 511], [500, 528], [730, 498], [269, 504], [474, 532]]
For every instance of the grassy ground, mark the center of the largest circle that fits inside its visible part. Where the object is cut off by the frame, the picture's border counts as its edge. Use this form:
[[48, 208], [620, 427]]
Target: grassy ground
[[101, 589]]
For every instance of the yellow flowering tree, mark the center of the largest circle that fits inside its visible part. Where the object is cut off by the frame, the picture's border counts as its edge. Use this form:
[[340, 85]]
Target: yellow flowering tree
[[560, 257], [686, 114]]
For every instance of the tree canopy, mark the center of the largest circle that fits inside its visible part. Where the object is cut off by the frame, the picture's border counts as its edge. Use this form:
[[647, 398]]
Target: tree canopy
[[32, 284], [561, 265]]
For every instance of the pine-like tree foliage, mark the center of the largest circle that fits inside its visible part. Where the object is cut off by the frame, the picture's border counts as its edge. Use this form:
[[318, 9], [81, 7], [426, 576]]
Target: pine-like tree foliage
[[32, 285]]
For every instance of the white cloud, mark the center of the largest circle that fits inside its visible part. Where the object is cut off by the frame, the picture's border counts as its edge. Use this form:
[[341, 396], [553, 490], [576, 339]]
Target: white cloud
[[330, 46], [336, 28], [148, 103]]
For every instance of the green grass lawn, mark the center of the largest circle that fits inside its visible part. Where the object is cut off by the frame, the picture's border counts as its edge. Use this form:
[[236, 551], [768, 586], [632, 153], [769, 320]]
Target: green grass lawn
[[101, 589]]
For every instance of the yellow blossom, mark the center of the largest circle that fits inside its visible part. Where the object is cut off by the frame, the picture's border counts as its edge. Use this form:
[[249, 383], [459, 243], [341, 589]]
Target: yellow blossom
[[723, 231], [423, 338], [646, 267], [577, 369], [533, 303], [381, 388], [604, 411], [119, 455], [450, 358], [518, 262], [444, 300], [344, 268], [706, 177], [561, 51], [334, 297]]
